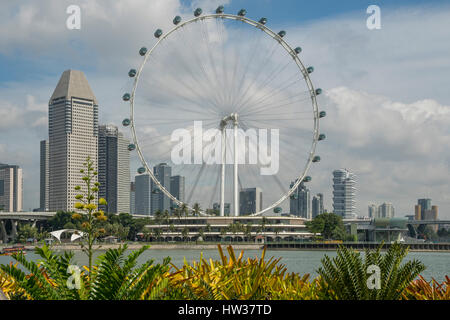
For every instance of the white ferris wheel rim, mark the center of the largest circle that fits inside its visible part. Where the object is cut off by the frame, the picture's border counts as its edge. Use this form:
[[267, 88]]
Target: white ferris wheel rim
[[303, 71]]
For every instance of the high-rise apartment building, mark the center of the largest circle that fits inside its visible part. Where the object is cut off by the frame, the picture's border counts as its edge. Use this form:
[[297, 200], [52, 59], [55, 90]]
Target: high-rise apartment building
[[159, 201], [113, 169], [250, 201], [73, 137], [344, 203], [11, 188], [317, 205], [44, 176], [386, 210], [142, 186], [373, 211], [300, 202]]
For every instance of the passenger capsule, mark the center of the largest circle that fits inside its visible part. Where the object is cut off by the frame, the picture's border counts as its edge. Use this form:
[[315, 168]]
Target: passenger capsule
[[141, 170], [310, 69], [242, 12], [322, 114], [126, 97], [294, 196], [307, 179], [131, 147], [318, 91], [155, 191], [298, 50], [316, 159], [132, 73], [263, 20], [198, 12], [158, 33], [277, 210], [126, 122], [322, 137], [220, 9], [176, 20], [282, 33], [143, 51]]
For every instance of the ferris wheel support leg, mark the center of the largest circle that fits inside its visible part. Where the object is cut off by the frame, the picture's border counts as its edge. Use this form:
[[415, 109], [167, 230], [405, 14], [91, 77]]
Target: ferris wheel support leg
[[236, 182], [222, 182]]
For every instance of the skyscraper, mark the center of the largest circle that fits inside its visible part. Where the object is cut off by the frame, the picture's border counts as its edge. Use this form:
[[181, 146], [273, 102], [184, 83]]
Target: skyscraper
[[73, 131], [344, 190], [113, 169], [386, 210], [132, 198], [250, 201], [159, 201], [300, 202], [177, 188], [373, 211], [317, 205], [44, 176], [11, 188], [143, 194]]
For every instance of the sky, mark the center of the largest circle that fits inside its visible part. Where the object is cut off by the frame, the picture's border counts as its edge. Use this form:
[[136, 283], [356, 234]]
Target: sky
[[385, 91]]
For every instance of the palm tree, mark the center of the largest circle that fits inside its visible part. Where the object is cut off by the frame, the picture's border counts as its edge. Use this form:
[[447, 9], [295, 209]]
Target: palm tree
[[196, 209], [346, 277]]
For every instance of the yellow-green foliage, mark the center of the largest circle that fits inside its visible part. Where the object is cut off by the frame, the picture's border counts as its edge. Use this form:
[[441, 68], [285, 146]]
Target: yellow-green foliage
[[239, 278], [421, 289]]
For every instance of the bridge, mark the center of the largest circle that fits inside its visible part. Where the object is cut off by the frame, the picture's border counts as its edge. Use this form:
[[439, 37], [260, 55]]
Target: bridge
[[32, 217]]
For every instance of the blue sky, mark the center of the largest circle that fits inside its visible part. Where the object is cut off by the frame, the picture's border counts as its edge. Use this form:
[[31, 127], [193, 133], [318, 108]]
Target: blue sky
[[386, 90]]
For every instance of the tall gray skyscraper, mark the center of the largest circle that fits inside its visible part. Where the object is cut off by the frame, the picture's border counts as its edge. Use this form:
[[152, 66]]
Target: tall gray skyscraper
[[113, 169], [317, 205], [44, 176], [161, 202], [344, 190], [177, 188], [250, 201], [142, 186], [132, 198], [73, 131], [300, 202], [11, 188]]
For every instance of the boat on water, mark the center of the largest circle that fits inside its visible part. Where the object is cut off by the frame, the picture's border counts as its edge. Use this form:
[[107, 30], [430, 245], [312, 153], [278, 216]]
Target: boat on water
[[14, 249]]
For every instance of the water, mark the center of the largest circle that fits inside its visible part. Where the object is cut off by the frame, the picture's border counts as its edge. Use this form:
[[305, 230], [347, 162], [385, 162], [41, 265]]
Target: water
[[437, 263]]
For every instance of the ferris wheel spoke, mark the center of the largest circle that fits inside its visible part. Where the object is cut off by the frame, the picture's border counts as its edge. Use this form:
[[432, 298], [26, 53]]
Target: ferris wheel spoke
[[259, 72], [263, 85], [193, 75]]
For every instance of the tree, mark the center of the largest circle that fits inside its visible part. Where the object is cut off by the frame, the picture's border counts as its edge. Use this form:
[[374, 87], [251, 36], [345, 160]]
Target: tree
[[196, 210], [329, 225], [26, 231], [88, 208]]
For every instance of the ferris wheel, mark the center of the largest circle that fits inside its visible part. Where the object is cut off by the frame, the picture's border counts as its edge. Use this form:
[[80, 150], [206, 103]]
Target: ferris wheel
[[227, 104]]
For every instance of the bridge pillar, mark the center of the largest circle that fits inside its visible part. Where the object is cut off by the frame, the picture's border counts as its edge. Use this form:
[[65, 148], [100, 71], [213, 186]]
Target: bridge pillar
[[13, 230], [3, 234], [34, 223]]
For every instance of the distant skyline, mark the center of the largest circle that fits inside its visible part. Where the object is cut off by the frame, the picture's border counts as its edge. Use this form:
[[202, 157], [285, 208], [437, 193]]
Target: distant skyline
[[388, 108]]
